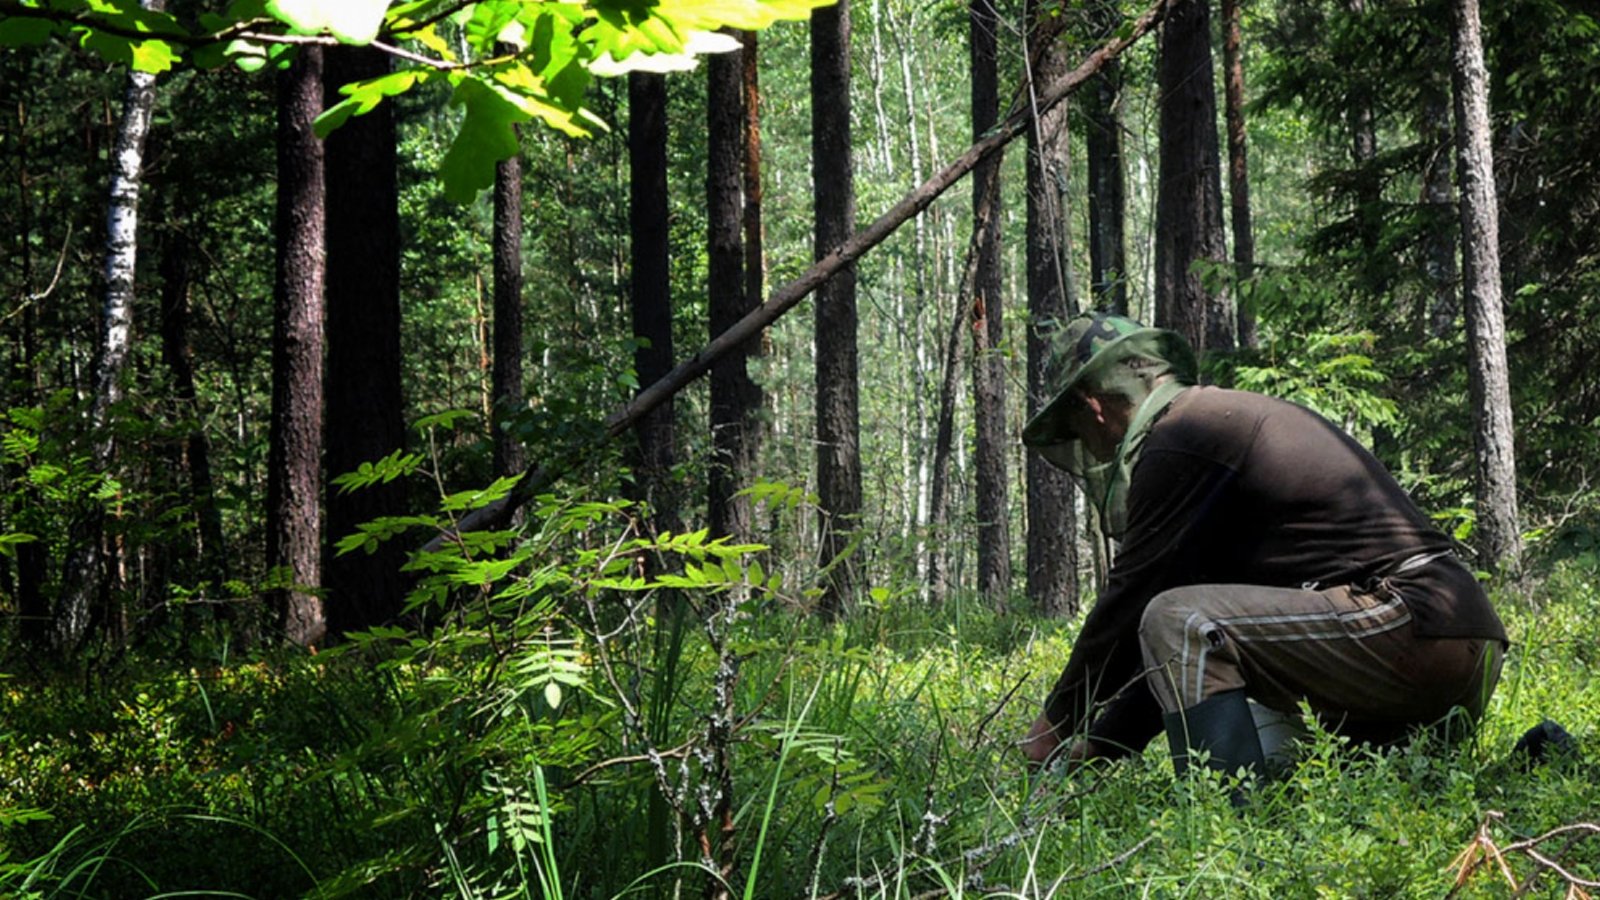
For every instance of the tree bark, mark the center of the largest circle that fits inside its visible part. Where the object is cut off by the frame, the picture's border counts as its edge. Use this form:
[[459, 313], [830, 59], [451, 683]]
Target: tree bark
[[1369, 212], [988, 322], [1189, 196], [650, 290], [1102, 109], [506, 381], [1052, 556], [365, 415], [86, 581], [837, 368], [938, 587], [735, 398], [1244, 241], [755, 261], [294, 454], [175, 352], [1439, 240], [1497, 535]]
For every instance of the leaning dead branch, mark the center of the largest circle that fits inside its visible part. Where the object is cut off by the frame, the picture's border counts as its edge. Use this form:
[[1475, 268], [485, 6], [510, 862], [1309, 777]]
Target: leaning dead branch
[[539, 476]]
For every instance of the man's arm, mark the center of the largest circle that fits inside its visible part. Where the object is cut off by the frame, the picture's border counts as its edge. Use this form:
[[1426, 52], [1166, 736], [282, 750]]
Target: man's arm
[[1172, 495]]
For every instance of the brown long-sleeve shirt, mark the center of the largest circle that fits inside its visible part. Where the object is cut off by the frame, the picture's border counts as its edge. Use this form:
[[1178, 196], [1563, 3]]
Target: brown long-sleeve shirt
[[1239, 488]]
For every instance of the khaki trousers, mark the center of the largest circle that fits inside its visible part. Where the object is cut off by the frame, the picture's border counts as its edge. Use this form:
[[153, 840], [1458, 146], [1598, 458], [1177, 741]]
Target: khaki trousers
[[1351, 654]]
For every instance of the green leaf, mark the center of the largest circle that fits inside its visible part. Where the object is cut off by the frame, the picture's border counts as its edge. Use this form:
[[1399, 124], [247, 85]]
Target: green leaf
[[8, 542], [446, 419], [351, 21], [485, 138], [20, 32], [154, 57]]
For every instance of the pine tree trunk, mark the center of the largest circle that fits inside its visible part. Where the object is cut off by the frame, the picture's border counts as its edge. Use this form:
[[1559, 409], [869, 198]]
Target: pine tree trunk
[[988, 323], [365, 416], [1244, 241], [1102, 110], [509, 458], [175, 352], [1189, 196], [650, 291], [294, 455], [755, 260], [1051, 518], [735, 398], [1439, 245], [837, 369], [1497, 535], [938, 587], [87, 578]]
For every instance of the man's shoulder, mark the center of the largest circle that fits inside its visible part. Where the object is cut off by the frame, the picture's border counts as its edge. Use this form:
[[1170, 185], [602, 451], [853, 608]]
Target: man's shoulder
[[1210, 409], [1211, 422]]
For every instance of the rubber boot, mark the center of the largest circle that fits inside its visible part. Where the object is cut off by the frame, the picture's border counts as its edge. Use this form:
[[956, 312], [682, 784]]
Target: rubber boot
[[1220, 725]]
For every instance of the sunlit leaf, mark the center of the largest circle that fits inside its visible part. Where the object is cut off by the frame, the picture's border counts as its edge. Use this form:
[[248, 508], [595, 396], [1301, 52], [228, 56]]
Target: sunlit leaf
[[351, 21]]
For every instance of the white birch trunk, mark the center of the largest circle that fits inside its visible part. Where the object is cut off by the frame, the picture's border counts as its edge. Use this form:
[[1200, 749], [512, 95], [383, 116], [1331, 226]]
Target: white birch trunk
[[87, 566]]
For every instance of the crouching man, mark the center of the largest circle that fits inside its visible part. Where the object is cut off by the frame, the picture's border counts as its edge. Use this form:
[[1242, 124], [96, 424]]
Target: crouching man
[[1264, 555]]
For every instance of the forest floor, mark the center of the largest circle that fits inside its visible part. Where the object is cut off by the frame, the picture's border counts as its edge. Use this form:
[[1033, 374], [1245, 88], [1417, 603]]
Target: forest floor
[[869, 758]]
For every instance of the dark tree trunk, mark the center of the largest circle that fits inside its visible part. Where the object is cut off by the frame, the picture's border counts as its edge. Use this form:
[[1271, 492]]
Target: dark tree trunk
[[1052, 520], [365, 416], [33, 608], [943, 444], [294, 455], [755, 261], [1102, 104], [1244, 241], [1189, 196], [1439, 239], [1363, 133], [175, 352], [735, 398], [507, 380], [1497, 535], [988, 323], [833, 180], [650, 290]]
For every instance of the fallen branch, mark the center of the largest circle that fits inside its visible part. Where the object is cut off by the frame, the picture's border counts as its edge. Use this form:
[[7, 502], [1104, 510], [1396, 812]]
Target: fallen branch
[[539, 476], [1484, 852]]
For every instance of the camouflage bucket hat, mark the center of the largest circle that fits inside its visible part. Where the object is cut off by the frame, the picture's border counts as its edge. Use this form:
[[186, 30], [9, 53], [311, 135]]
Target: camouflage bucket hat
[[1084, 353]]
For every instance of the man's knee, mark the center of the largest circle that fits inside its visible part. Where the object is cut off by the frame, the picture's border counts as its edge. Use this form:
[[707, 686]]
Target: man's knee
[[1167, 624]]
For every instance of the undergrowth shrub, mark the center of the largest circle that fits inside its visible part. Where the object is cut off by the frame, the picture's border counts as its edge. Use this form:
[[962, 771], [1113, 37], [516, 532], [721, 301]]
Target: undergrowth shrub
[[584, 710]]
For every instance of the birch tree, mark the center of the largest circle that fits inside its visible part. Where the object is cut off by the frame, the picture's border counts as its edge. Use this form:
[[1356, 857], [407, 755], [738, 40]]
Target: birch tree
[[86, 584]]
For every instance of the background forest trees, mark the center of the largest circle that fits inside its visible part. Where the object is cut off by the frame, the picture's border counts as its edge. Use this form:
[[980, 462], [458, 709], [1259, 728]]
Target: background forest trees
[[1348, 271]]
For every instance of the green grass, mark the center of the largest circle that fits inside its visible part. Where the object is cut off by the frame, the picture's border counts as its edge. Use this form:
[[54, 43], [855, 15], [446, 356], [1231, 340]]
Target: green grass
[[871, 759]]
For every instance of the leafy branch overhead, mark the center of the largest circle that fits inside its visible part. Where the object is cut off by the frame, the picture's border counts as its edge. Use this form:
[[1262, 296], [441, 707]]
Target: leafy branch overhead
[[507, 61]]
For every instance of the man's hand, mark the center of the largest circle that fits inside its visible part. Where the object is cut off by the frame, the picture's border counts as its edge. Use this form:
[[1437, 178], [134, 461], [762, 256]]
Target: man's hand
[[1042, 741], [1043, 744]]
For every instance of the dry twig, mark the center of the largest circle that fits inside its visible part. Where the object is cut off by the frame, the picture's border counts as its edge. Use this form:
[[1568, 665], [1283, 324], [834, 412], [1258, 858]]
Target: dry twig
[[1484, 851]]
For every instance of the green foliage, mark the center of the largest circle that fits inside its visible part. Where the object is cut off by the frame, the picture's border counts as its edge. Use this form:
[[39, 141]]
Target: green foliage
[[549, 722], [507, 61], [1333, 374]]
